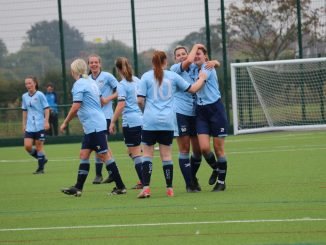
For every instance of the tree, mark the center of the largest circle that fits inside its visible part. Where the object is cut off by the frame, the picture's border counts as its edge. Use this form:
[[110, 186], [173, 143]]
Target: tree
[[200, 37], [32, 61], [111, 50], [267, 29], [3, 52], [38, 61], [46, 33]]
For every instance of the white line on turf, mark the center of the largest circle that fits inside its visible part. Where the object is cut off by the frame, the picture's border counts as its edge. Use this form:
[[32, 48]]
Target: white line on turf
[[246, 151], [163, 224]]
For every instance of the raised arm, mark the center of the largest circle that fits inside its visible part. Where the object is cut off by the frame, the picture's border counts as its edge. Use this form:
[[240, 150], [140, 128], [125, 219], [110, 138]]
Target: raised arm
[[212, 63], [191, 56]]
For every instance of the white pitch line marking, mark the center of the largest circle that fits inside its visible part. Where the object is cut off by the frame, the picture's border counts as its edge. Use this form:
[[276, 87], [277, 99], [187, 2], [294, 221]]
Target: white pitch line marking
[[245, 151], [163, 224]]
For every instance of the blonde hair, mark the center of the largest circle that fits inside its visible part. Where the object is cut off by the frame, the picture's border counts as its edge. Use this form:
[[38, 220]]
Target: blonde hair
[[124, 67], [79, 67]]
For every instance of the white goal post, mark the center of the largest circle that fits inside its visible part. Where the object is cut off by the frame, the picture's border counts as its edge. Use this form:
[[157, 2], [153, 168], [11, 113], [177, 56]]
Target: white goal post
[[279, 95]]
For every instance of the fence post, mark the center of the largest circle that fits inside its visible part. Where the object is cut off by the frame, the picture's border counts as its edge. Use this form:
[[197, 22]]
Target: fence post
[[134, 37], [63, 62], [299, 29], [208, 34], [225, 62]]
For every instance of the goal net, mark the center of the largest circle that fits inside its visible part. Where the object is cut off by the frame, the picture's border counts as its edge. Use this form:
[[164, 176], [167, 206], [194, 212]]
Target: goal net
[[279, 95]]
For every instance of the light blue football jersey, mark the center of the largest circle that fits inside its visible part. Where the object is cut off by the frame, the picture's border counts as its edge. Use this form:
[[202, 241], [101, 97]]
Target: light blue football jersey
[[158, 112], [184, 103], [107, 83], [34, 105], [90, 113], [127, 91], [210, 92]]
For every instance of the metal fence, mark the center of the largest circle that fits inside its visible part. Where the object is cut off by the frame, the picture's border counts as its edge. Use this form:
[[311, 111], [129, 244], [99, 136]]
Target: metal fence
[[42, 37]]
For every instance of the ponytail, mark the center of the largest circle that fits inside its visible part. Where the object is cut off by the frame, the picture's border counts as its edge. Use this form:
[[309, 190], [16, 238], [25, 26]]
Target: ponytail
[[159, 57], [124, 67], [79, 67]]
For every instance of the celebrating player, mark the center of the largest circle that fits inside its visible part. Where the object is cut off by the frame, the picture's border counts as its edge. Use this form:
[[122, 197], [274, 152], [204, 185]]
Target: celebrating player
[[155, 97], [87, 105]]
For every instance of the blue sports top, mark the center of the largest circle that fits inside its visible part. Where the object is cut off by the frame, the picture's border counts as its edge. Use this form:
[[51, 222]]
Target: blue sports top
[[158, 112], [127, 91], [34, 105], [90, 114], [184, 103], [107, 83], [210, 92], [52, 100]]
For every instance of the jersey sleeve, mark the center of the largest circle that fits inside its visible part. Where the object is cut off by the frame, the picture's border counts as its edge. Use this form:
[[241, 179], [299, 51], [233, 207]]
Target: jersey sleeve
[[44, 101], [121, 92], [182, 84], [177, 68], [77, 92], [112, 81], [24, 106], [142, 87]]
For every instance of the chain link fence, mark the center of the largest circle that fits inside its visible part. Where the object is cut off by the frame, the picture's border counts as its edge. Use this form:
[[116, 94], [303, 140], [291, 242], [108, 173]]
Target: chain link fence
[[32, 42]]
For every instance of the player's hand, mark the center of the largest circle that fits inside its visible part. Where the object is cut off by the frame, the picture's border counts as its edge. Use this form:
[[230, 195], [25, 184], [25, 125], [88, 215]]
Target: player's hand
[[202, 75], [63, 127], [211, 64], [112, 128], [46, 125]]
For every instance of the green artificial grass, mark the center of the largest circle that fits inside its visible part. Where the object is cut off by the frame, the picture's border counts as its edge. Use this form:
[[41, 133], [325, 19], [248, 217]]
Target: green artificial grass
[[276, 194]]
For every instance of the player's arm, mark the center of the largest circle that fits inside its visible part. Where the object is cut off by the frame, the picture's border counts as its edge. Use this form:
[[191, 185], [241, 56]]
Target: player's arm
[[72, 113], [24, 120], [191, 56], [141, 102], [211, 64], [46, 118], [117, 113], [107, 99], [199, 83]]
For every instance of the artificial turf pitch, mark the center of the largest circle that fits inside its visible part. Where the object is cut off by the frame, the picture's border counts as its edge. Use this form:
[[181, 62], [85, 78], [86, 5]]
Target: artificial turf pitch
[[276, 194]]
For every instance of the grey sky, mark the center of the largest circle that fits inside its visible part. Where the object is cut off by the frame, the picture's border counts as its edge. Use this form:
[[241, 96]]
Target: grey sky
[[158, 22]]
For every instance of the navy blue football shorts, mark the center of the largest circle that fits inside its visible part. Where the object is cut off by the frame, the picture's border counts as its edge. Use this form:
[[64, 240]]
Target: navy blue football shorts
[[40, 135], [185, 125], [95, 141], [211, 119], [150, 137], [132, 136]]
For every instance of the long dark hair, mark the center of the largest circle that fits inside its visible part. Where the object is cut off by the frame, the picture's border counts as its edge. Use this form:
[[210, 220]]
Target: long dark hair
[[124, 67], [159, 57]]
